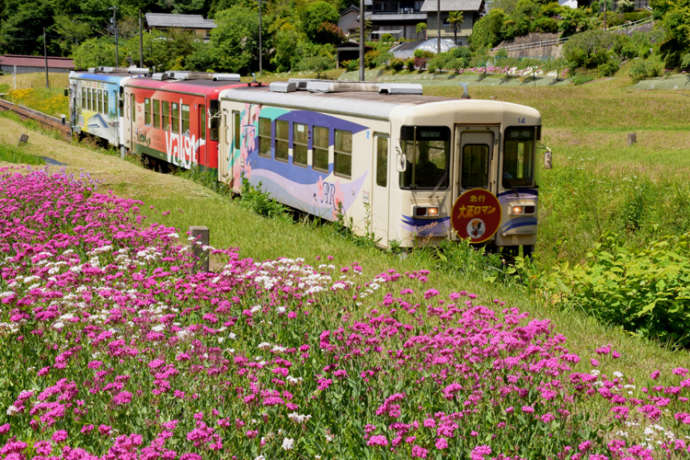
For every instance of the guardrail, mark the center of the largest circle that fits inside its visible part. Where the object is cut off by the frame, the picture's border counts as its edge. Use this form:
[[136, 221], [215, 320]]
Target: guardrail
[[560, 41], [59, 124]]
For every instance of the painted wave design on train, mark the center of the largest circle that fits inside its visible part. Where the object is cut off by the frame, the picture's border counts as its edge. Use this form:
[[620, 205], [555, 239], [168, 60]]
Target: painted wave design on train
[[426, 227], [317, 192]]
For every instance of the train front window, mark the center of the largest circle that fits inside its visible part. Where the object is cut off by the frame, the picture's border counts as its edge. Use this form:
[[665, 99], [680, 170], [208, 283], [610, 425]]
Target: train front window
[[427, 155], [518, 157]]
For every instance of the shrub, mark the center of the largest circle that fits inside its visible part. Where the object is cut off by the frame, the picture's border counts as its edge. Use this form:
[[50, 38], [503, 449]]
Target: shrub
[[409, 64], [646, 68], [420, 53], [647, 291], [610, 67], [351, 65], [397, 64], [589, 49]]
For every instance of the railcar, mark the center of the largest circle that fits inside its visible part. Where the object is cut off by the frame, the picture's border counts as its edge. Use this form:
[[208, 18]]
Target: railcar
[[172, 118], [406, 168], [95, 101]]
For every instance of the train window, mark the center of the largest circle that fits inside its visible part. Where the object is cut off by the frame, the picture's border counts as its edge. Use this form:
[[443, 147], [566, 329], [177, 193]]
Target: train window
[[83, 98], [300, 141], [175, 116], [94, 107], [342, 159], [133, 108], [381, 159], [147, 111], [215, 120], [264, 135], [156, 113], [202, 121], [185, 118], [518, 157], [475, 166], [320, 148], [105, 101], [165, 115], [282, 140], [236, 128], [100, 100], [427, 152]]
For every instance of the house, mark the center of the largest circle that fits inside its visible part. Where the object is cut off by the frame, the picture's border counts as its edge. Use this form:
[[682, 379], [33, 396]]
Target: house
[[11, 63], [190, 22], [398, 18], [471, 12], [349, 21]]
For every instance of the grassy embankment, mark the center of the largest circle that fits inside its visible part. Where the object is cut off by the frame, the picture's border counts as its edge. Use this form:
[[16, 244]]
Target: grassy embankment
[[595, 175]]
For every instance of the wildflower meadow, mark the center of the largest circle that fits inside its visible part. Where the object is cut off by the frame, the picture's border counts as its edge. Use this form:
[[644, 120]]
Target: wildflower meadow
[[113, 347]]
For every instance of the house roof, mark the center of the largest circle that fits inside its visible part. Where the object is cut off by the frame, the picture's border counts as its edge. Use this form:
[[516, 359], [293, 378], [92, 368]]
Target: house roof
[[184, 21], [36, 61], [430, 6]]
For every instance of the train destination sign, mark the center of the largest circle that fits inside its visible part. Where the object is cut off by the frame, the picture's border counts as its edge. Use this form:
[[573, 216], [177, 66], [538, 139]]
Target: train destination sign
[[476, 215]]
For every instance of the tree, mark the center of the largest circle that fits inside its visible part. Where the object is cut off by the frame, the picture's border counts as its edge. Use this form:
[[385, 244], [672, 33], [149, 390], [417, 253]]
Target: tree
[[314, 16], [488, 31], [94, 52], [421, 28], [235, 40], [455, 18], [675, 49]]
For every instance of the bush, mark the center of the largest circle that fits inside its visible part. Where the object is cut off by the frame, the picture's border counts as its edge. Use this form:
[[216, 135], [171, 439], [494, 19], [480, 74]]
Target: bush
[[589, 49], [409, 64], [420, 53], [351, 65], [397, 64], [610, 67], [647, 291], [646, 68]]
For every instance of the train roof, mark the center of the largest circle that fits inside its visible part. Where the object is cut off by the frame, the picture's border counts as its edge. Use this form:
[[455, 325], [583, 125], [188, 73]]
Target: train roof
[[369, 103], [114, 77], [199, 86]]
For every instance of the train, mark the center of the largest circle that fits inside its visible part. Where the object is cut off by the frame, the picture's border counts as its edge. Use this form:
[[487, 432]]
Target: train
[[402, 168]]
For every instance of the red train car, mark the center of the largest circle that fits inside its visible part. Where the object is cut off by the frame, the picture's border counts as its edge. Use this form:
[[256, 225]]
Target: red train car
[[173, 117]]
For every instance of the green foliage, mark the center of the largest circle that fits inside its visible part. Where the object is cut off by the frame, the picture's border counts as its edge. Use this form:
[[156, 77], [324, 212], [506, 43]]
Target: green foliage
[[610, 66], [646, 68], [235, 40], [455, 58], [12, 154], [463, 258], [313, 18], [285, 57], [315, 57], [488, 31], [420, 53], [573, 20], [351, 65], [676, 24], [647, 290], [589, 49], [260, 202], [397, 64], [94, 52]]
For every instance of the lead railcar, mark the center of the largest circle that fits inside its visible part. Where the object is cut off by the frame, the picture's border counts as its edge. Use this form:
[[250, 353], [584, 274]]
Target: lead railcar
[[384, 158]]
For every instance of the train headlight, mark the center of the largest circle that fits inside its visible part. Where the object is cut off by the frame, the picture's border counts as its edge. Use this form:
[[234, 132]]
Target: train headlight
[[517, 210], [426, 211]]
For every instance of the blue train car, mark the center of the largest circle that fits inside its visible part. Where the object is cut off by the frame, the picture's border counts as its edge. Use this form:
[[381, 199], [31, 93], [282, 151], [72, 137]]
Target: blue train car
[[96, 101]]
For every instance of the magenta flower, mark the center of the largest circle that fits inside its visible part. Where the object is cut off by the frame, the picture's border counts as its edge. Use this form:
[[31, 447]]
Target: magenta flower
[[377, 440]]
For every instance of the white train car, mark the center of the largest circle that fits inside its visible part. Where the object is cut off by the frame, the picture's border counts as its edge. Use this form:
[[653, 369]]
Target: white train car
[[407, 168]]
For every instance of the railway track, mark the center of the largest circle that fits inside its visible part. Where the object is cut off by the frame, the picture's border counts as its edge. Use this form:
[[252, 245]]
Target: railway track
[[59, 124]]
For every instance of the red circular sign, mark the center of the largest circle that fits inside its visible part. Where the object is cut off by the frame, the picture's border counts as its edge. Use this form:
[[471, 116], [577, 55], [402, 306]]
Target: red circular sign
[[476, 215]]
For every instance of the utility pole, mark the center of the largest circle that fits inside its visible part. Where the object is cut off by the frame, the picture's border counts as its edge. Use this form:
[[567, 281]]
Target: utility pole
[[45, 57], [438, 23], [361, 40], [260, 50], [114, 22], [141, 42]]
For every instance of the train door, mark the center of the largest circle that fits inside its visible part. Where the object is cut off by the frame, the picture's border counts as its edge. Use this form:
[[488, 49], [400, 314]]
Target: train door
[[477, 152], [224, 159], [379, 212]]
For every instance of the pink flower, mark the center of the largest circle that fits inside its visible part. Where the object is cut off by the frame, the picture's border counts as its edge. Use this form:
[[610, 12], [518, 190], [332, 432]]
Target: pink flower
[[479, 452], [527, 409], [441, 443], [654, 375], [59, 436], [4, 428], [377, 440], [419, 452]]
